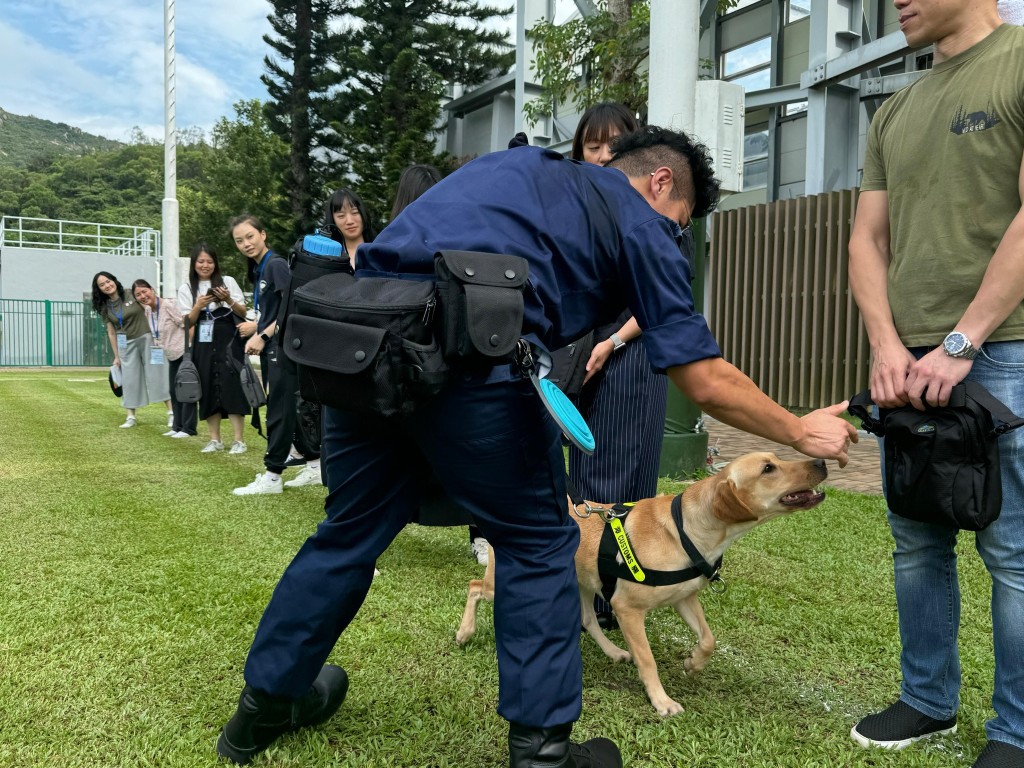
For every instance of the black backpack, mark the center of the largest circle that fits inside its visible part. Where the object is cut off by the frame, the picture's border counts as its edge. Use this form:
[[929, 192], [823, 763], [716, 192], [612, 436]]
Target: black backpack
[[187, 386], [942, 464]]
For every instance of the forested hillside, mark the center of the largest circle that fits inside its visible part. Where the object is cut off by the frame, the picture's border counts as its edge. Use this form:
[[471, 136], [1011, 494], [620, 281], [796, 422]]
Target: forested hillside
[[25, 140]]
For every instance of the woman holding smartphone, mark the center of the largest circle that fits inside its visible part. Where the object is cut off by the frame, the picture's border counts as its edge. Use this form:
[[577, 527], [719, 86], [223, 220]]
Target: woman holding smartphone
[[213, 304]]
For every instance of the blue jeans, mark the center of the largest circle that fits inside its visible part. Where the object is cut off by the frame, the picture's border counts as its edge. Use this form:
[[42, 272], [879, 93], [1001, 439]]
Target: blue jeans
[[927, 590], [498, 455]]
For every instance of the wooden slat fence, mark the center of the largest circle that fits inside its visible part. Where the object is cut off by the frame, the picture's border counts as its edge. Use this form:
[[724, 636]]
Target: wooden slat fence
[[780, 302]]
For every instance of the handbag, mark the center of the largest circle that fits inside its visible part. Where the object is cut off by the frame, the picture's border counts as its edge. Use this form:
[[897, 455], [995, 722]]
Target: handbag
[[569, 365], [187, 386], [114, 379], [942, 463], [252, 387]]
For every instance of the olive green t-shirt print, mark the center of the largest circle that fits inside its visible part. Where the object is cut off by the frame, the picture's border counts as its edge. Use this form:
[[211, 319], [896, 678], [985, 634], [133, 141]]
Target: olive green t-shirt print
[[948, 151]]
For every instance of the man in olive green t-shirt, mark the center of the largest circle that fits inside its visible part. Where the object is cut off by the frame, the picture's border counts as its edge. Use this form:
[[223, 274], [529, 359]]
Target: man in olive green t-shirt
[[937, 269]]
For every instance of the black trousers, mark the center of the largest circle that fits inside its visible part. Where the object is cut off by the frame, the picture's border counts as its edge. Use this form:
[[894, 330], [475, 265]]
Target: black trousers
[[282, 417], [186, 415]]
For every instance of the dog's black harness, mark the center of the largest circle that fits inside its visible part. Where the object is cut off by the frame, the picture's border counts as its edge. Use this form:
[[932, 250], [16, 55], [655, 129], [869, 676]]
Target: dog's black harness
[[615, 558]]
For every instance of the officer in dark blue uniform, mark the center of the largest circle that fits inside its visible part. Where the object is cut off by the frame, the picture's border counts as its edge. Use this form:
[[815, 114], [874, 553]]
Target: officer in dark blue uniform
[[596, 239]]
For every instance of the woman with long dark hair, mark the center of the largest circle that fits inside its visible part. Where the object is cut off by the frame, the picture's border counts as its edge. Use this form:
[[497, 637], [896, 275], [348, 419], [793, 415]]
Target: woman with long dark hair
[[213, 304], [349, 221], [167, 326], [130, 341]]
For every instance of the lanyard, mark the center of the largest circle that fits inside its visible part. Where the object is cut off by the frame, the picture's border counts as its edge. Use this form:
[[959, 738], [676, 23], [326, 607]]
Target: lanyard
[[120, 315], [154, 321], [259, 276]]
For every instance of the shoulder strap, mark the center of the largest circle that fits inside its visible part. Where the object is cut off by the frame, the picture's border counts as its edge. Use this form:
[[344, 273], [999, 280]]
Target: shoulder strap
[[1003, 419], [859, 407], [188, 349]]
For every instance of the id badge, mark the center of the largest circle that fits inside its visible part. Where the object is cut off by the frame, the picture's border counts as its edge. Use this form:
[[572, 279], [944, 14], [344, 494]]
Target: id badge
[[122, 341], [206, 331], [156, 356]]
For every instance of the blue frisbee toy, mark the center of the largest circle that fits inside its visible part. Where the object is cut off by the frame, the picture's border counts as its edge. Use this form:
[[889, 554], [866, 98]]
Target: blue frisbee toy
[[565, 415]]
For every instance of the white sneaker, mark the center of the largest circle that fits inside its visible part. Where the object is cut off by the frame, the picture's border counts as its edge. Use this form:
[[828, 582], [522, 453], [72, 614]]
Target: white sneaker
[[170, 433], [479, 547], [170, 418], [213, 445], [180, 434], [307, 476], [238, 447], [128, 423], [262, 484]]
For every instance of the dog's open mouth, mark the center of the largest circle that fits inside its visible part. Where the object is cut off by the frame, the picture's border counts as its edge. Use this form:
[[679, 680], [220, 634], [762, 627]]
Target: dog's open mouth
[[804, 499]]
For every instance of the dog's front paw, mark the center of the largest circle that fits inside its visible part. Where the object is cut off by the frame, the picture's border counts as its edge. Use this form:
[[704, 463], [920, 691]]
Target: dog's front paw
[[462, 636], [667, 707], [619, 656]]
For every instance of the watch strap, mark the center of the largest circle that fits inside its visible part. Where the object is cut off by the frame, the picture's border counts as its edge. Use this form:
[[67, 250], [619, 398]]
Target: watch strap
[[617, 342], [266, 339]]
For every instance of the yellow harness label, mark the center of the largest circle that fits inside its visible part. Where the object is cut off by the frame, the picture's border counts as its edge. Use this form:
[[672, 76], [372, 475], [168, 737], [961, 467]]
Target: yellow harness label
[[627, 553]]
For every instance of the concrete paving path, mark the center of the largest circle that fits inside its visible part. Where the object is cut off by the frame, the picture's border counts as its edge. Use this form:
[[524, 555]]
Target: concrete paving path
[[861, 475]]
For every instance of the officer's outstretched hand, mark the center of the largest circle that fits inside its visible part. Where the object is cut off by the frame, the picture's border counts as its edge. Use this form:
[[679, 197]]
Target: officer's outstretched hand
[[825, 435]]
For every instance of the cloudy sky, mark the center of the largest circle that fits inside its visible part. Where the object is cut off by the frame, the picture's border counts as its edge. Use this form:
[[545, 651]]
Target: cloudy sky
[[98, 64]]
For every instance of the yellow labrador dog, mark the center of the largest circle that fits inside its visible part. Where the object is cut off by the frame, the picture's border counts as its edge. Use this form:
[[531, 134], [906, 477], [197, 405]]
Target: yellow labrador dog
[[715, 512]]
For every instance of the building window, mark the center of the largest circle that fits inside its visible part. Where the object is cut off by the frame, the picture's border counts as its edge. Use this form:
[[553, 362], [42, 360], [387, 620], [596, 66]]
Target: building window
[[740, 5], [749, 65], [755, 158], [797, 9]]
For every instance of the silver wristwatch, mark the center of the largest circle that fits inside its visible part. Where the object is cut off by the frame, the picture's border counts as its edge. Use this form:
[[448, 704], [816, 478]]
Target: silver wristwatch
[[617, 343], [957, 344]]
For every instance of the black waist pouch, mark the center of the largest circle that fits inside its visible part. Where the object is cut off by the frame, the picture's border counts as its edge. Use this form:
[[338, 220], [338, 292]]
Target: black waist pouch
[[942, 464], [366, 344], [480, 304]]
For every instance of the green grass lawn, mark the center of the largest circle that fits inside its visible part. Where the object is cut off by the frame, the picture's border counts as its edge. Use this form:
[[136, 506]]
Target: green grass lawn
[[132, 581]]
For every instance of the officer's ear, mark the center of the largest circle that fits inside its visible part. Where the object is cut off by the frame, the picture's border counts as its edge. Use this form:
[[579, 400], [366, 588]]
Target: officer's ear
[[661, 182]]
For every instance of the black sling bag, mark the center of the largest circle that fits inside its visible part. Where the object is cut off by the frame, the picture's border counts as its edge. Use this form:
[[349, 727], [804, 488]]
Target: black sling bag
[[942, 464]]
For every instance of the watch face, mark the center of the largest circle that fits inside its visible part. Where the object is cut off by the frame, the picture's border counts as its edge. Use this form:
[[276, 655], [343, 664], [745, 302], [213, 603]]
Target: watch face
[[954, 343]]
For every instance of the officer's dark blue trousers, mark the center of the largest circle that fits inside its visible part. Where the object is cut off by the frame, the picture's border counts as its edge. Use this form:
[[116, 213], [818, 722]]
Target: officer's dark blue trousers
[[498, 454]]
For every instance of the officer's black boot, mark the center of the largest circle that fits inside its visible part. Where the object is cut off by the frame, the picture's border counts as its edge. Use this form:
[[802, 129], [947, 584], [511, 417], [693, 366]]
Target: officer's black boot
[[550, 748], [260, 718]]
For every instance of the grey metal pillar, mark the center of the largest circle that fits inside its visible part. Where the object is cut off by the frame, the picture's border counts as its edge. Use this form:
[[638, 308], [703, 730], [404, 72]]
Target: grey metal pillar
[[832, 109], [675, 31], [169, 240]]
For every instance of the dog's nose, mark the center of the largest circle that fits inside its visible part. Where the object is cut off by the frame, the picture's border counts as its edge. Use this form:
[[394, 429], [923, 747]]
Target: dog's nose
[[819, 464]]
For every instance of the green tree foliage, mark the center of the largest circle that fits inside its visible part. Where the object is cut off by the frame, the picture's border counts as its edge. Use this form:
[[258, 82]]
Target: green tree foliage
[[593, 58], [238, 171], [396, 58], [240, 174], [298, 78]]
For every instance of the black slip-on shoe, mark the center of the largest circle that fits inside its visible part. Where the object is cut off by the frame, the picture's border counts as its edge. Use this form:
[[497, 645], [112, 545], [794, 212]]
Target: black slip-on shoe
[[899, 726], [999, 754], [260, 719]]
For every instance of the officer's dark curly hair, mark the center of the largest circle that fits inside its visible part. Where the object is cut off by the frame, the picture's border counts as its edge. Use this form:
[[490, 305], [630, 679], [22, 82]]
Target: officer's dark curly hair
[[640, 152]]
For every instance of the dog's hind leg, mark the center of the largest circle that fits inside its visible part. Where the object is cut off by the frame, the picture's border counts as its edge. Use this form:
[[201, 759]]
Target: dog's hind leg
[[589, 619], [692, 612], [479, 589]]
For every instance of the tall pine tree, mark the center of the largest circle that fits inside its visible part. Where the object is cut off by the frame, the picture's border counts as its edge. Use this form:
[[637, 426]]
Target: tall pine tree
[[398, 56], [298, 76]]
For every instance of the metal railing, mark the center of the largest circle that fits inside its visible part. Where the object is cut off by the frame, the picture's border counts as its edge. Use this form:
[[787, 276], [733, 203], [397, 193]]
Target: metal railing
[[64, 333], [53, 234], [780, 302]]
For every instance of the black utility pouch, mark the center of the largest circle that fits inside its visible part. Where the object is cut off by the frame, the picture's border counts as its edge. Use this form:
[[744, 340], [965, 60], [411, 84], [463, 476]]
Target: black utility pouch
[[366, 344], [480, 303]]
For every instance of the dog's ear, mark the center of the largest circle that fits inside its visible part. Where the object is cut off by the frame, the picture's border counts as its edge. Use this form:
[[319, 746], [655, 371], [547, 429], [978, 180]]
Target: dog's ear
[[728, 506]]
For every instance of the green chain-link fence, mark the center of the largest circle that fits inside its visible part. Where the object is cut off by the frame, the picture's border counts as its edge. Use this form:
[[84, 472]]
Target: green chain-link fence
[[65, 333]]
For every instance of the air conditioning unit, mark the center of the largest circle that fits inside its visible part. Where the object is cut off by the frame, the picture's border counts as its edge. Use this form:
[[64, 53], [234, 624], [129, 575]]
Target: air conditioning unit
[[719, 124]]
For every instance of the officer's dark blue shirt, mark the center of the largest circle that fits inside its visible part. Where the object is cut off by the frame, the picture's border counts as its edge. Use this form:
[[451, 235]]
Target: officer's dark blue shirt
[[593, 243]]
